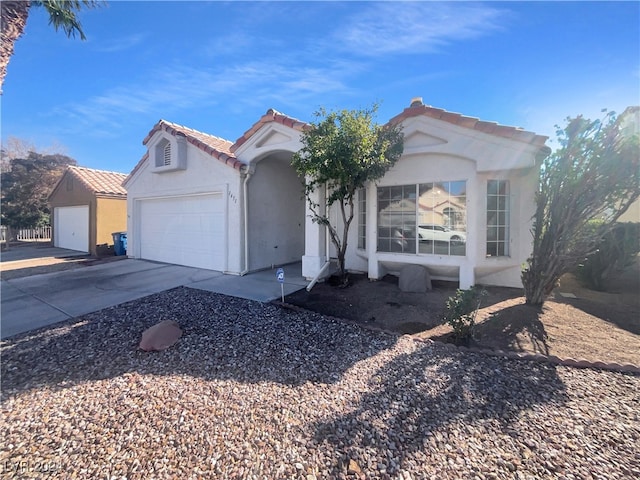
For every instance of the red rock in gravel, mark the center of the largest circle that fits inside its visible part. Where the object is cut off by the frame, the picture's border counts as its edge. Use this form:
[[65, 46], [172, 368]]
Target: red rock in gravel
[[160, 336], [354, 468]]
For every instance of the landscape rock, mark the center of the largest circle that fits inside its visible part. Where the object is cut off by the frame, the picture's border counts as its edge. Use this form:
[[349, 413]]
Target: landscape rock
[[160, 336], [414, 278], [353, 468], [256, 391]]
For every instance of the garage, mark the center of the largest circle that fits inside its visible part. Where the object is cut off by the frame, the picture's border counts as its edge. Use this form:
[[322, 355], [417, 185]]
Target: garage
[[87, 206], [72, 227], [191, 201], [184, 230]]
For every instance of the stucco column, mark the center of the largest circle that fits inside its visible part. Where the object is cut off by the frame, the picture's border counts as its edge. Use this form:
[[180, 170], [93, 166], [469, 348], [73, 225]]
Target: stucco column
[[475, 232], [315, 252], [467, 276], [375, 270]]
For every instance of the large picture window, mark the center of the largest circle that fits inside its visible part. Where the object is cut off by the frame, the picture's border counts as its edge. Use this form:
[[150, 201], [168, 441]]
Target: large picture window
[[497, 218], [427, 218]]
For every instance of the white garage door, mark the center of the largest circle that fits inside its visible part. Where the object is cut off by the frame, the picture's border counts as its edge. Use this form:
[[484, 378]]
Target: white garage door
[[184, 230], [71, 226]]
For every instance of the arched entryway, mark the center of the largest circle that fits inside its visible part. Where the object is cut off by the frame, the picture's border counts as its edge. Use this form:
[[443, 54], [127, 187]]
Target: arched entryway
[[276, 213]]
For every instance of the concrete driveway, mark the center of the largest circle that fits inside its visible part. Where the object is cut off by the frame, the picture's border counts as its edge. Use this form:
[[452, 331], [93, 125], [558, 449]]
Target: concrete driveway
[[32, 302], [37, 253]]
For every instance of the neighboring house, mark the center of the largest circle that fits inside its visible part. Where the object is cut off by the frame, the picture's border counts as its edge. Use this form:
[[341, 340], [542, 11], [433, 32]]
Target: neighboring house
[[198, 200], [87, 207]]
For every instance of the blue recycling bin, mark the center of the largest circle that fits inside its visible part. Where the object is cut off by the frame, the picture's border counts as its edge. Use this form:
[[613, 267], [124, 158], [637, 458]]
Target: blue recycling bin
[[120, 243]]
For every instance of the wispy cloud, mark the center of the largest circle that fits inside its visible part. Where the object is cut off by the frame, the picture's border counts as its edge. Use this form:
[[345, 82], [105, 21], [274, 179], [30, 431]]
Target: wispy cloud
[[282, 78], [416, 27], [122, 43], [231, 43], [182, 87]]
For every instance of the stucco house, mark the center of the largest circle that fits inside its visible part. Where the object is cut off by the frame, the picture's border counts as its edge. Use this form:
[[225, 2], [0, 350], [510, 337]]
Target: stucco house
[[198, 200], [87, 206]]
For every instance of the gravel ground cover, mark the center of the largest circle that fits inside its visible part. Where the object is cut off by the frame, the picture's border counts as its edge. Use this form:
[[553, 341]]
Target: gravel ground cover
[[258, 391]]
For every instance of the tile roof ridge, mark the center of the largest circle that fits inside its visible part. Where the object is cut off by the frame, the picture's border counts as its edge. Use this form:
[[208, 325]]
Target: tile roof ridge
[[273, 111], [271, 115], [417, 108], [189, 129], [96, 169]]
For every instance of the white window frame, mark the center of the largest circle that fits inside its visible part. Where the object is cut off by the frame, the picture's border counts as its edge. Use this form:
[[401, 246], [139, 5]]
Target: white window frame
[[498, 211], [362, 218], [401, 233]]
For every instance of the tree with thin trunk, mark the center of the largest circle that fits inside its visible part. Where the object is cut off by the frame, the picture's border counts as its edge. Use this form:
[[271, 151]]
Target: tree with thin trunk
[[25, 188], [342, 152], [14, 14], [594, 175]]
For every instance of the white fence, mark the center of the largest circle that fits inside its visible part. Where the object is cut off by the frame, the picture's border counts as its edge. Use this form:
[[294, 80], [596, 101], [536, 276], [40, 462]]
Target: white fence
[[36, 234]]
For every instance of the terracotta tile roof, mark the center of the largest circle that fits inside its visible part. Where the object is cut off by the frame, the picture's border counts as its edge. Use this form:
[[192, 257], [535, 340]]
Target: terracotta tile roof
[[271, 116], [100, 181], [224, 150], [417, 109], [217, 147]]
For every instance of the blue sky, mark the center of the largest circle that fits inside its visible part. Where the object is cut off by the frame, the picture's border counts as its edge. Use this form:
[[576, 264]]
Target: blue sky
[[219, 66]]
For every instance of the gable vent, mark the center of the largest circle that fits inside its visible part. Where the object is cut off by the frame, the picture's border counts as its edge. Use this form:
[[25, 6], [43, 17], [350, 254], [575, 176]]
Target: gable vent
[[167, 154]]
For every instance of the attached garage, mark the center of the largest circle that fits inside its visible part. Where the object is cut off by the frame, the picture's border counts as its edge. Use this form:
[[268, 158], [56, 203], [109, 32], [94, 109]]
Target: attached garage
[[200, 201], [185, 230], [72, 230]]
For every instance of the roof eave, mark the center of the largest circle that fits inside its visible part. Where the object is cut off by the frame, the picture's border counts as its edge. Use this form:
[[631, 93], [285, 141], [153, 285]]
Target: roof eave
[[270, 116], [473, 123]]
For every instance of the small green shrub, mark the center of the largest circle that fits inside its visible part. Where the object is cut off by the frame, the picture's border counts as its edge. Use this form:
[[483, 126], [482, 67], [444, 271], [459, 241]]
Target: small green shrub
[[462, 309]]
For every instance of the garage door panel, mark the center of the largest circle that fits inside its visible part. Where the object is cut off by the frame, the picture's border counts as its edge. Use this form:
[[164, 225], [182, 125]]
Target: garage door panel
[[72, 227], [184, 230]]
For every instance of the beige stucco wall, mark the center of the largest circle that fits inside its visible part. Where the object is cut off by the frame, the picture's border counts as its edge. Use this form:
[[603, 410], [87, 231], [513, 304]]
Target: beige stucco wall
[[111, 216], [633, 214]]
